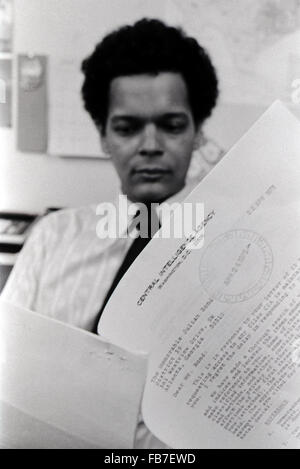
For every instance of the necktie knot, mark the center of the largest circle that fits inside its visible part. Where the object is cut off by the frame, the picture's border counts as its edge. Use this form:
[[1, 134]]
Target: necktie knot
[[146, 221]]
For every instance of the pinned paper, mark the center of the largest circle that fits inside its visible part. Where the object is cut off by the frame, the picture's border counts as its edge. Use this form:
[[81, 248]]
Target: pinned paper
[[32, 113]]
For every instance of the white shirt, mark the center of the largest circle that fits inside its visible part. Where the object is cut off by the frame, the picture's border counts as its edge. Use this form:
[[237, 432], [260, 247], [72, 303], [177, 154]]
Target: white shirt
[[65, 270]]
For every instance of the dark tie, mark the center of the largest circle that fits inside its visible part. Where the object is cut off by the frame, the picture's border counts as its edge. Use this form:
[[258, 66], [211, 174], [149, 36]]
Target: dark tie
[[135, 249]]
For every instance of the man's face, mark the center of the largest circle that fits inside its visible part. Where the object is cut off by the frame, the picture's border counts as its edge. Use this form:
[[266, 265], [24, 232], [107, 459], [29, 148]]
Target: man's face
[[150, 135]]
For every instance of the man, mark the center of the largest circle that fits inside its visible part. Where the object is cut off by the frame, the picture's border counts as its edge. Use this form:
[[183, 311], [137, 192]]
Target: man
[[148, 89]]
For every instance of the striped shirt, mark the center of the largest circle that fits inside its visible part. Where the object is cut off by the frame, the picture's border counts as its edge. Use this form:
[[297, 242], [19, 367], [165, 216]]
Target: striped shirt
[[65, 270]]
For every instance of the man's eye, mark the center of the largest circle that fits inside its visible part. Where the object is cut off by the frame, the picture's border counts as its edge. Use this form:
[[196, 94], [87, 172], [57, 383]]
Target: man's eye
[[174, 127], [125, 130]]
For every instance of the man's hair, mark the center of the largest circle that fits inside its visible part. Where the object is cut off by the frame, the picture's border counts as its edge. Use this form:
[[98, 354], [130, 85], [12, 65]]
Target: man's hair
[[148, 47]]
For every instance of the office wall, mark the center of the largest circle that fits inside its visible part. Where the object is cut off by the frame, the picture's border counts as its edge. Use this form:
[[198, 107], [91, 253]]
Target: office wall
[[256, 61], [31, 181]]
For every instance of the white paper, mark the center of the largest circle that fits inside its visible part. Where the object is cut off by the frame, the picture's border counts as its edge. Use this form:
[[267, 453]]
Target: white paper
[[61, 387], [222, 322]]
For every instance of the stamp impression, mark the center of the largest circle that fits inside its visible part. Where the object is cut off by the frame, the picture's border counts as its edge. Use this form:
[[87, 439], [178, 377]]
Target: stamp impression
[[236, 266]]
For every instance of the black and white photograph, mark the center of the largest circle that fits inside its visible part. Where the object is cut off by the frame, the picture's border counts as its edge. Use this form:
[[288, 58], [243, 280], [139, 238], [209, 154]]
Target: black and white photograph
[[149, 227]]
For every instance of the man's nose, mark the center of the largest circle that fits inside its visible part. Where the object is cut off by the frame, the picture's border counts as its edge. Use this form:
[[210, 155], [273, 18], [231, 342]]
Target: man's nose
[[150, 144]]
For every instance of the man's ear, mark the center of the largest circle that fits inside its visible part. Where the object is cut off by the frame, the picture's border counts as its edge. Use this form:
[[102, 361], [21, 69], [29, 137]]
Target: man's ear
[[104, 145], [198, 138], [103, 140]]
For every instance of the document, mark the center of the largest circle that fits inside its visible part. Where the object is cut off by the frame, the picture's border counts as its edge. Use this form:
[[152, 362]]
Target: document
[[220, 315], [64, 388]]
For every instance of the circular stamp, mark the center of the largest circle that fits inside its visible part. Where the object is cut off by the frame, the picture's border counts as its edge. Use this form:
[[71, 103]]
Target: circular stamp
[[236, 266]]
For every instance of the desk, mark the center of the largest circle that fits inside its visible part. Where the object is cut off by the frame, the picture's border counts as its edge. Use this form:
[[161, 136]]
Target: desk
[[13, 232]]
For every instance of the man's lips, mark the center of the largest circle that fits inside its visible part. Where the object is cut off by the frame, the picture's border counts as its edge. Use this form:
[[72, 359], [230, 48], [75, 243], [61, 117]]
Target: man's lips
[[150, 173], [151, 170]]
